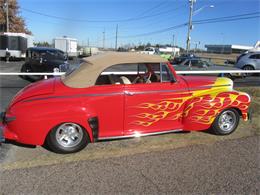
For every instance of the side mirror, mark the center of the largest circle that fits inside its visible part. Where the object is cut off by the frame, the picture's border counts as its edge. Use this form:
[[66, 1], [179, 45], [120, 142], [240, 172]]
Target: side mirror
[[204, 66]]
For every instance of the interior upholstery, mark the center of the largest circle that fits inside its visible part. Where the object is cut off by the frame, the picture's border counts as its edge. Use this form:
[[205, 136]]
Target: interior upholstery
[[125, 80]]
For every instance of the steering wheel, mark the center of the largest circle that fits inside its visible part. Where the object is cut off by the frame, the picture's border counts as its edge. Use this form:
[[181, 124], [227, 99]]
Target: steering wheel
[[145, 78]]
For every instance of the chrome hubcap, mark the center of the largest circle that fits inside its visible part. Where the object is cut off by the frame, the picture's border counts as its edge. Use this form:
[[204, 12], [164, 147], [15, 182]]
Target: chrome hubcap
[[248, 68], [69, 134], [227, 121]]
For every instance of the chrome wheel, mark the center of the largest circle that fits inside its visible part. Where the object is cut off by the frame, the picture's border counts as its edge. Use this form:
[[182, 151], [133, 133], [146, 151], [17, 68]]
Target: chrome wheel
[[69, 135], [227, 121], [248, 67]]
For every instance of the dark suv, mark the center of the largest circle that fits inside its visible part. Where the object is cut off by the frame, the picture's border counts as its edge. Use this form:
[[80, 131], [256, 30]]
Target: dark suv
[[43, 59]]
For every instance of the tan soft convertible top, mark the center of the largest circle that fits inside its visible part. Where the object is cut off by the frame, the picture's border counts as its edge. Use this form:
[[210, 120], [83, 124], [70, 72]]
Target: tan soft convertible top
[[88, 72]]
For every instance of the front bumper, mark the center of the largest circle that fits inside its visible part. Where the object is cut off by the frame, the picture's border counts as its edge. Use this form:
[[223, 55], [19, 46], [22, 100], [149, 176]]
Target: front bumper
[[249, 114]]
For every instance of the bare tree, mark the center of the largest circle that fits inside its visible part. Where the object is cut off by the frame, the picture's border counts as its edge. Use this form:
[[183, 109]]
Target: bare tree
[[16, 22]]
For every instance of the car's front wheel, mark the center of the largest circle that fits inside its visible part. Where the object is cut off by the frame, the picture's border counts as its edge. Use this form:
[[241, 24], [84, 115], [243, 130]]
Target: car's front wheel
[[228, 75], [248, 67], [67, 138], [32, 78], [226, 122]]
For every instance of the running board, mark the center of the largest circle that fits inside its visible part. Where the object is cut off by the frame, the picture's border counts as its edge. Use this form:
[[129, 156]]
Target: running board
[[137, 134]]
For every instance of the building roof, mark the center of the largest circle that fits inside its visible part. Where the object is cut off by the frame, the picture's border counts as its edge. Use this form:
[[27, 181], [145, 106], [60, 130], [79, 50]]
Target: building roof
[[88, 72], [43, 49], [240, 47]]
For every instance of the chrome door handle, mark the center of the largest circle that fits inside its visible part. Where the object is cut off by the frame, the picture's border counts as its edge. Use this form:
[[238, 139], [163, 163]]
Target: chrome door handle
[[129, 93]]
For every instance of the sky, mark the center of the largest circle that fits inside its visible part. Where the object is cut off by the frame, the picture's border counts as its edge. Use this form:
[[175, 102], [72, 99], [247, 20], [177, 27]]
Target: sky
[[90, 20]]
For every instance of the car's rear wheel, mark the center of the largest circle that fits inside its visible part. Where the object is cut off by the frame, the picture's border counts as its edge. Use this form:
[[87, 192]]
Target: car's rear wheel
[[67, 138], [226, 122], [248, 67]]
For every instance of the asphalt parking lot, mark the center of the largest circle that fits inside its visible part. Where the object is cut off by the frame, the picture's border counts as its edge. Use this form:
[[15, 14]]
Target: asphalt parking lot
[[183, 163]]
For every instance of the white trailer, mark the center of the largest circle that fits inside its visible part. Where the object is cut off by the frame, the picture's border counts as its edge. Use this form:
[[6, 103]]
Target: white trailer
[[170, 50], [68, 45], [14, 45]]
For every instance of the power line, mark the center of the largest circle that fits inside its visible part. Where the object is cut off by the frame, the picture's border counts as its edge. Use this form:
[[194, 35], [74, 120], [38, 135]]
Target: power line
[[227, 20], [205, 21], [153, 8], [228, 17], [156, 32], [100, 21]]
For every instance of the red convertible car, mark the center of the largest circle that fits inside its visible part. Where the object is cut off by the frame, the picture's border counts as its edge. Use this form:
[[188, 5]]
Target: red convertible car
[[120, 95]]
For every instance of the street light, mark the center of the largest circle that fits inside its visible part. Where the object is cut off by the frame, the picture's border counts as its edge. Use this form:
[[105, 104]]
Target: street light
[[202, 8], [193, 13]]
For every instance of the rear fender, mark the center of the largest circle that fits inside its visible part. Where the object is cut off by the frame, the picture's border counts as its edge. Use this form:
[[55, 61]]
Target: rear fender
[[33, 126]]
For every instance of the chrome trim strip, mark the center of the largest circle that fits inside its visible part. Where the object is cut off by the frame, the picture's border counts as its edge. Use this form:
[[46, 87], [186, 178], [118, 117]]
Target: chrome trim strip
[[133, 93], [180, 90], [75, 96], [139, 135]]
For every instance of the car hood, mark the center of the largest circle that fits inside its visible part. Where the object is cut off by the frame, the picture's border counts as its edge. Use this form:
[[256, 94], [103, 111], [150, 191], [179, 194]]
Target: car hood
[[207, 82], [44, 87]]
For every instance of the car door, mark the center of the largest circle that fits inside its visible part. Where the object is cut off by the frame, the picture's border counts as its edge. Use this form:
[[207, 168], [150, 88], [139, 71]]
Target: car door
[[107, 103], [256, 61], [59, 58], [196, 65], [34, 61], [154, 107]]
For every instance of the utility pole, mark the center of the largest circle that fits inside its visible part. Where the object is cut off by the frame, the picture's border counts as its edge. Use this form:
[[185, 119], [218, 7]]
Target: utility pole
[[104, 39], [173, 40], [6, 7], [196, 47], [116, 37], [190, 25]]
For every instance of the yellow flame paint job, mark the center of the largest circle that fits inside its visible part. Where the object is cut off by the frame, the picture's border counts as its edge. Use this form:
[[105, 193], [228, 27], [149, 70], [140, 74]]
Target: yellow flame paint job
[[199, 106]]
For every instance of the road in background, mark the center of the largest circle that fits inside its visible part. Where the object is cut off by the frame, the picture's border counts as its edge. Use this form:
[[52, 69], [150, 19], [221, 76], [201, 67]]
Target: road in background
[[176, 163]]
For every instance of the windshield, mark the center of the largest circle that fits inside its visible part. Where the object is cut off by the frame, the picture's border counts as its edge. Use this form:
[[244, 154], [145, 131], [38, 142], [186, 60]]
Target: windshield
[[72, 68]]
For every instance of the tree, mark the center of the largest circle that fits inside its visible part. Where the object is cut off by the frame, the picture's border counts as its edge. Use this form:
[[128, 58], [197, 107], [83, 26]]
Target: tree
[[16, 22], [42, 44]]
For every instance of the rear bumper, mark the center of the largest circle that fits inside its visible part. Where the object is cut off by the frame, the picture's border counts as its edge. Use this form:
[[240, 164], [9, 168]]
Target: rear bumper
[[6, 133]]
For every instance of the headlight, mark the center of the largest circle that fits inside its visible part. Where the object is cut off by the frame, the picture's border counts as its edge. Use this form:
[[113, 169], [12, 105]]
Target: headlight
[[55, 70]]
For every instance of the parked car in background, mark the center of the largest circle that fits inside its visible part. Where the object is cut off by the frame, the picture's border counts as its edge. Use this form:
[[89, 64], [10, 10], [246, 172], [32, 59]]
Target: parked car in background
[[91, 104], [200, 64], [156, 51], [249, 61], [180, 59], [43, 59], [150, 51]]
